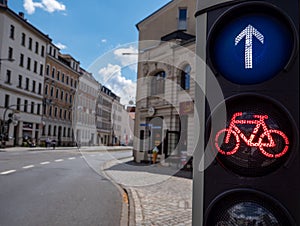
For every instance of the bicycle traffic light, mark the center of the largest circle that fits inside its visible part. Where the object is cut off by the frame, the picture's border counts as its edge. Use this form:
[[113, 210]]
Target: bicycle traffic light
[[251, 49]]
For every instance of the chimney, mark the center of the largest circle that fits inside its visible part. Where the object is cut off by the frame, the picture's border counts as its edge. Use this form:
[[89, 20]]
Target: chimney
[[3, 2], [21, 14]]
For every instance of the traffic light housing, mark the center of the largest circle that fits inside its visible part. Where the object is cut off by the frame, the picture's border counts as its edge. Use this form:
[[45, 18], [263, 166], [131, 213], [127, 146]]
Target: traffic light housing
[[252, 51], [10, 118]]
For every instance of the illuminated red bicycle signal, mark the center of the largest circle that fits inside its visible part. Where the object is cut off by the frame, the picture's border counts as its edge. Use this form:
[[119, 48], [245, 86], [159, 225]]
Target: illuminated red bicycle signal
[[264, 141]]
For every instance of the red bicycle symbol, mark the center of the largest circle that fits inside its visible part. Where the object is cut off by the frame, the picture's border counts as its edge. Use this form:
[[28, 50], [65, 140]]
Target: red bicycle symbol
[[264, 141]]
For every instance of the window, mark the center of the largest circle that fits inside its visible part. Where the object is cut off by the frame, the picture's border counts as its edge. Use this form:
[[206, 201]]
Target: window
[[70, 98], [182, 19], [64, 132], [58, 75], [35, 66], [158, 83], [50, 111], [43, 51], [8, 77], [71, 82], [27, 84], [12, 32], [53, 72], [40, 89], [25, 105], [66, 97], [10, 53], [41, 70], [20, 81], [18, 103], [54, 131], [38, 110], [55, 112], [60, 113], [185, 77], [21, 60], [51, 91], [32, 107], [75, 84], [57, 93], [6, 102], [44, 109], [28, 63], [49, 130], [46, 89], [63, 77], [30, 43], [36, 47], [67, 80], [47, 69], [62, 95], [23, 39], [33, 86]]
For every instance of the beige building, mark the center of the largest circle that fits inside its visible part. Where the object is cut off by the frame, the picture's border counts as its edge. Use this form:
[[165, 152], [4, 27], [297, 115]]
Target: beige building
[[165, 90], [61, 81]]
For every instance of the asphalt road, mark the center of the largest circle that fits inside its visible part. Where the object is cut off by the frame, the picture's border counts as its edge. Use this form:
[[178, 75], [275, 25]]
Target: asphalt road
[[60, 187]]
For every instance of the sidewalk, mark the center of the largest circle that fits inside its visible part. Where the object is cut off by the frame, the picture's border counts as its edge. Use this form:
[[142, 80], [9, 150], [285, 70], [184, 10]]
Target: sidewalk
[[158, 195]]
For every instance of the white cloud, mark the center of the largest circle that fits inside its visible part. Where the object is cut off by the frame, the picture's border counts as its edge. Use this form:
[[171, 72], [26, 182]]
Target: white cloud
[[104, 40], [47, 5], [61, 46], [127, 56], [111, 77]]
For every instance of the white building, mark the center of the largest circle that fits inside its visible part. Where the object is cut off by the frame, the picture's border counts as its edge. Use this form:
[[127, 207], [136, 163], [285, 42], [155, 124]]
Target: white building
[[21, 81], [84, 113]]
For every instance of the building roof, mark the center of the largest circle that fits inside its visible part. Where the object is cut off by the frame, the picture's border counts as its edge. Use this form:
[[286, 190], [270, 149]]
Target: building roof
[[179, 34], [20, 18], [137, 25]]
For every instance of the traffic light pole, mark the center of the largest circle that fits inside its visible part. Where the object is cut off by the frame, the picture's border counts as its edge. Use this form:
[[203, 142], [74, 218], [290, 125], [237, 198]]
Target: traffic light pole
[[3, 124]]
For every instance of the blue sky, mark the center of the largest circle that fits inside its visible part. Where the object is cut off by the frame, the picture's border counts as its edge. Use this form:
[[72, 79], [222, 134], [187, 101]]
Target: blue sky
[[92, 29]]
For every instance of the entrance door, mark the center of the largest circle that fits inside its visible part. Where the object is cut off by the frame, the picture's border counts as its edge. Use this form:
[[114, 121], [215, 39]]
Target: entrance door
[[59, 136], [171, 142]]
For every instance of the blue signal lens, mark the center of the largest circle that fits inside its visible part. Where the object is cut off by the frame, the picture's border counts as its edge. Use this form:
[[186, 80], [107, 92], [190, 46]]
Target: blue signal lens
[[251, 47]]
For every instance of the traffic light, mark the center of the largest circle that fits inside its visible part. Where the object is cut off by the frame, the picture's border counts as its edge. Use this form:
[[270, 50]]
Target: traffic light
[[252, 51], [10, 118]]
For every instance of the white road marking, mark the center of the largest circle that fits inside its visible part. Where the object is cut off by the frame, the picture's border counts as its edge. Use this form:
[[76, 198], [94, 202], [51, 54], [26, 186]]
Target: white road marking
[[58, 160], [71, 158], [28, 167], [7, 172], [44, 163]]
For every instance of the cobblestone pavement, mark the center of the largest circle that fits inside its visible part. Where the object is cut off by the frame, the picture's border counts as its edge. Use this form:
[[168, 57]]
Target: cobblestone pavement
[[161, 195]]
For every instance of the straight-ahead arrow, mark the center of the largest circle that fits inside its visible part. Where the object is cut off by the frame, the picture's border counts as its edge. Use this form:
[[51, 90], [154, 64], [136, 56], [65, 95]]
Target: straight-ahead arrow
[[248, 33]]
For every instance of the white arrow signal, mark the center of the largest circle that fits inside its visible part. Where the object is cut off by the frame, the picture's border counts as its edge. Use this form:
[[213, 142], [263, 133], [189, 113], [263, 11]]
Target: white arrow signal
[[248, 32]]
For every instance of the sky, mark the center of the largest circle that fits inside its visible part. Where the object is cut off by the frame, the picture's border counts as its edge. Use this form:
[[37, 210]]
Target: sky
[[96, 33]]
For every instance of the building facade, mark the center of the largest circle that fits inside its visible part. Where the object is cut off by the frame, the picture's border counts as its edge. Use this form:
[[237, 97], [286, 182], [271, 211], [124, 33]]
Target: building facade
[[22, 65], [84, 120], [165, 90], [60, 85]]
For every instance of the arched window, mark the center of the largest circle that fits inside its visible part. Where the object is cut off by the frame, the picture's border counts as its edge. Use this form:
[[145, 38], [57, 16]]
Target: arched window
[[185, 77], [158, 83]]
